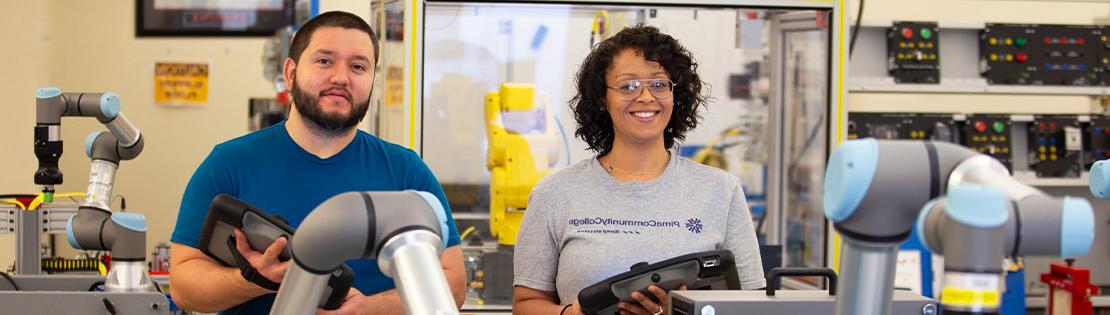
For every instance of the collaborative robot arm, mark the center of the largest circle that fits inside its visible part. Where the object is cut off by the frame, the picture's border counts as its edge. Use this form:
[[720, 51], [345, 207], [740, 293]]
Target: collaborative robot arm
[[94, 227], [402, 230], [874, 190], [51, 106]]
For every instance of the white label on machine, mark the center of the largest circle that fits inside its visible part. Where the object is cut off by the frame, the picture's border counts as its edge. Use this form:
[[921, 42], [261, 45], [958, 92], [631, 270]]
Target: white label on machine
[[907, 273], [1073, 139]]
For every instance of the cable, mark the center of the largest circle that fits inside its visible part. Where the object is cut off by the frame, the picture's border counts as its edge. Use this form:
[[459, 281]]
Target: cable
[[855, 30], [465, 233], [14, 202], [10, 280], [563, 134], [39, 199], [96, 284]]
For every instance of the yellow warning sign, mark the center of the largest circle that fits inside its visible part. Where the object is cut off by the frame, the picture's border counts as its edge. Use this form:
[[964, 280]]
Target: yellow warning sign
[[180, 83]]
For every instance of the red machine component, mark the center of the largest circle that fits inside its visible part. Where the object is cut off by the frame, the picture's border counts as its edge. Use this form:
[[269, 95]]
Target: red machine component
[[1071, 285]]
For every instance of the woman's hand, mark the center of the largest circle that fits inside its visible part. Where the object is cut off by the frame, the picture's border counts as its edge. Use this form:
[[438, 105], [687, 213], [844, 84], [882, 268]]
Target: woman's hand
[[644, 305]]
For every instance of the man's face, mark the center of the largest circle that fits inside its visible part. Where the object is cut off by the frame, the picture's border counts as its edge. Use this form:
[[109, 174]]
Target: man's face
[[331, 82]]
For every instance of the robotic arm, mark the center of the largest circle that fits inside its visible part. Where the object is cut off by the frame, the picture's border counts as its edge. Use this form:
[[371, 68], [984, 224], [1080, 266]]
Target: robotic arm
[[402, 230], [94, 227], [52, 105], [874, 190]]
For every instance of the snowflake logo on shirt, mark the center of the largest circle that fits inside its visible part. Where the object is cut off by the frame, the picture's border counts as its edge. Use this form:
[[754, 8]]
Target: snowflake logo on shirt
[[694, 225]]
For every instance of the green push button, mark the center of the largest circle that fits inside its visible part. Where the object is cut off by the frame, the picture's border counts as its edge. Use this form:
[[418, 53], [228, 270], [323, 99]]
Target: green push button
[[1020, 41], [999, 127], [926, 33]]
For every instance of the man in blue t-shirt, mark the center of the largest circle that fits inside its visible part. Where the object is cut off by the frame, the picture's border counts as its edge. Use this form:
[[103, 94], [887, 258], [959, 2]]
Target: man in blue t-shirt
[[292, 167]]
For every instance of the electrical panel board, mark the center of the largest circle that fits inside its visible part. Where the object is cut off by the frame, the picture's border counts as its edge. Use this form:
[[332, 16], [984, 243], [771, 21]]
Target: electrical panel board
[[990, 135], [1031, 54], [913, 52], [1096, 141], [940, 127], [1055, 146]]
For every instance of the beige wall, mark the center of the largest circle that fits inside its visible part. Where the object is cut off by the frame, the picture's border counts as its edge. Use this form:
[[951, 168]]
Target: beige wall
[[91, 46], [25, 52]]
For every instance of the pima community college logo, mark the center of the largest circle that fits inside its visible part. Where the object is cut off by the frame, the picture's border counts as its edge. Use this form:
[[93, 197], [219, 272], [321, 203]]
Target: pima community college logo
[[694, 225]]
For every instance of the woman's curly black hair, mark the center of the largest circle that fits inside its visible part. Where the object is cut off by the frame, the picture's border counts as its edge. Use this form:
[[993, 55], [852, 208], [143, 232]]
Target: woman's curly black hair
[[594, 124]]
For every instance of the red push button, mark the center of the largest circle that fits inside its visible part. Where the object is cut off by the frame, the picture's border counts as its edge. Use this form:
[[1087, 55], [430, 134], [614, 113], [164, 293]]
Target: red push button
[[980, 126], [1021, 57], [907, 32]]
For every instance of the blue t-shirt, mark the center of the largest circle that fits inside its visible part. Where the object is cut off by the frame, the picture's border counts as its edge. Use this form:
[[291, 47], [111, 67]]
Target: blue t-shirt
[[270, 171]]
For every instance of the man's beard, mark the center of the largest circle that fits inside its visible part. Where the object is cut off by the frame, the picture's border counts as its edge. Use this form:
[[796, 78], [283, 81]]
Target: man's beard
[[326, 124]]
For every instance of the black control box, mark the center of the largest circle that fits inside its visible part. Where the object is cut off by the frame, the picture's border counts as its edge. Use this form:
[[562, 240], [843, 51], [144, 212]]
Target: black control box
[[913, 52], [1032, 54]]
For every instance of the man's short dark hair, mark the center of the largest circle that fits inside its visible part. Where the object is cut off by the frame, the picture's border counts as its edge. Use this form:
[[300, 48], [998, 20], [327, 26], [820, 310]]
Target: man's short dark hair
[[333, 19], [594, 124]]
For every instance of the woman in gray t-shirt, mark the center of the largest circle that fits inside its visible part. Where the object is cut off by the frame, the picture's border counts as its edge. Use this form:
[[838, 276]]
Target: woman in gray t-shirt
[[638, 93]]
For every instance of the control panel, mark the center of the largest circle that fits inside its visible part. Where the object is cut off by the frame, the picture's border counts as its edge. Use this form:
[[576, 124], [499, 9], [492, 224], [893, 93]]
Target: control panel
[[1096, 141], [913, 52], [940, 127], [990, 135], [1055, 146], [1043, 54]]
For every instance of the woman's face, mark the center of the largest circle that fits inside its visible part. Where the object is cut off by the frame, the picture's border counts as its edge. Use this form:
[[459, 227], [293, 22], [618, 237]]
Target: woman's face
[[639, 116]]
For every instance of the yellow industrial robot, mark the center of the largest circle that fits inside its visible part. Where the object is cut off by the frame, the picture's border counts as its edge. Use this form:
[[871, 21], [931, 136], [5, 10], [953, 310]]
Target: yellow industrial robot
[[514, 165]]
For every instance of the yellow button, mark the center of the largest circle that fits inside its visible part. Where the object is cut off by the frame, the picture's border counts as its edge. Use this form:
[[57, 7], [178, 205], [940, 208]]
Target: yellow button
[[911, 45], [994, 139], [929, 45], [901, 44], [933, 56], [1042, 157], [1052, 149], [994, 57], [900, 56], [1005, 149], [1009, 41], [1052, 157], [1009, 57], [993, 41], [1041, 149], [1002, 138]]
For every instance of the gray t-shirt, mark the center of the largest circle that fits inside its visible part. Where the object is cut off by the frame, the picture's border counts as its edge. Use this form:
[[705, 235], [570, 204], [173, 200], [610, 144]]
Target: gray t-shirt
[[582, 225]]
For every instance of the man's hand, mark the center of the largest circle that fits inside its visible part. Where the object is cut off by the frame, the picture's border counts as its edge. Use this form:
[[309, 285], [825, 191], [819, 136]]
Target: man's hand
[[268, 264], [353, 304]]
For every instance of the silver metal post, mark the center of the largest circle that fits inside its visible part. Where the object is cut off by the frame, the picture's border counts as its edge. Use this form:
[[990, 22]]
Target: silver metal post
[[28, 239], [866, 280], [421, 282], [300, 292]]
